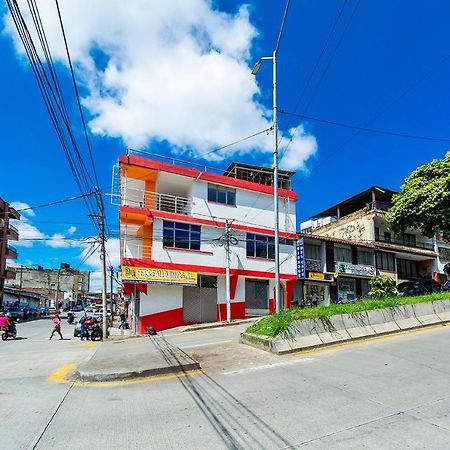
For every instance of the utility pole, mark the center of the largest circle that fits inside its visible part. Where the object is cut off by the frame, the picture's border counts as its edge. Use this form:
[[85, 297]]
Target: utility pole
[[20, 284], [227, 269], [55, 300], [111, 272]]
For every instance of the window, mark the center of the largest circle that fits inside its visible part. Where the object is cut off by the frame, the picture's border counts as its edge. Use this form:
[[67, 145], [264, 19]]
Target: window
[[342, 254], [385, 261], [346, 290], [407, 268], [408, 239], [181, 235], [260, 246], [221, 194], [312, 252], [387, 237], [286, 241], [365, 258]]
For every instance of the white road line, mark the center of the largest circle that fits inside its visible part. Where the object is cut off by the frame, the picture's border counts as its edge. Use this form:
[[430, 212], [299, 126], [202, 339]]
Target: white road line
[[206, 344], [268, 366]]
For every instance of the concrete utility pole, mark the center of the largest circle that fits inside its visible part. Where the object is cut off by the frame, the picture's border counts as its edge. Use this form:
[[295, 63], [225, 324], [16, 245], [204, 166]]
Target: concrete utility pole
[[227, 269], [273, 58], [20, 283], [111, 272]]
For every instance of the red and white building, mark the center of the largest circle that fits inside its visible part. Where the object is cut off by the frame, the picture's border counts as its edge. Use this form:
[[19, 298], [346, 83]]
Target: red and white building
[[171, 219]]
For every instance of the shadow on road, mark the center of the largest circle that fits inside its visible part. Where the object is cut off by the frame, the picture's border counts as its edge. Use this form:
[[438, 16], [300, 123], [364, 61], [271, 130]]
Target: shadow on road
[[236, 424]]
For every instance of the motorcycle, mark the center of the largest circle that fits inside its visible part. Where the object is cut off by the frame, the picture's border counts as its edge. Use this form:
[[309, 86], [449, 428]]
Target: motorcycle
[[93, 329], [8, 332]]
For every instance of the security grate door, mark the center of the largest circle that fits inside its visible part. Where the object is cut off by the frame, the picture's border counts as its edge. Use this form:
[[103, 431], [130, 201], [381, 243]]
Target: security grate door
[[256, 297], [200, 302]]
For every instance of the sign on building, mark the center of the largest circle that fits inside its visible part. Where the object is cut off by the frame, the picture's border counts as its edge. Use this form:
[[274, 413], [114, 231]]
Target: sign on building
[[301, 266], [152, 275], [355, 269]]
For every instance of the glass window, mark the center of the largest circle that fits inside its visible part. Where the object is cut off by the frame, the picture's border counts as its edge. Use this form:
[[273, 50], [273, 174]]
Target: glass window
[[342, 254], [181, 235], [407, 268], [260, 246], [312, 251], [365, 288], [221, 194], [346, 290], [365, 258], [385, 261]]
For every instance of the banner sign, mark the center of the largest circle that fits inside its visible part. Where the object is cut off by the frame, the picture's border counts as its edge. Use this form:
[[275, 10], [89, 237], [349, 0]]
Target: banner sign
[[152, 275], [301, 266], [316, 276], [355, 269]]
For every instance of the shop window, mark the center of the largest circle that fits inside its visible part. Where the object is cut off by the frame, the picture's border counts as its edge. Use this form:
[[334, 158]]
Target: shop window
[[207, 281], [313, 252], [342, 254], [385, 261], [346, 290], [365, 258], [221, 194], [407, 268], [181, 235], [259, 246]]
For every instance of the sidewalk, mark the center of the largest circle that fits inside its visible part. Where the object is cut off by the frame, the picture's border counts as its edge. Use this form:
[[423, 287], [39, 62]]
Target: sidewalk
[[131, 358]]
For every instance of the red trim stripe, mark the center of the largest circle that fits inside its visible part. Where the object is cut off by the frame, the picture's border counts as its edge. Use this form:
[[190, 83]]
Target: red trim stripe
[[205, 176]]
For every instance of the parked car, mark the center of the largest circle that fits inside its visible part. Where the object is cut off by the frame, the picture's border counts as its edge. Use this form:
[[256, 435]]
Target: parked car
[[418, 287]]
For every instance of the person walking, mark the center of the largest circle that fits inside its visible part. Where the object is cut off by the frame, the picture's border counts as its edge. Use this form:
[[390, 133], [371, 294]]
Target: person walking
[[57, 326], [83, 328]]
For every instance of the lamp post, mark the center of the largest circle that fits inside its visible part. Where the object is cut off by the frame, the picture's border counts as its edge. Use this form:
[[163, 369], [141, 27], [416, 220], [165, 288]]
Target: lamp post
[[273, 58]]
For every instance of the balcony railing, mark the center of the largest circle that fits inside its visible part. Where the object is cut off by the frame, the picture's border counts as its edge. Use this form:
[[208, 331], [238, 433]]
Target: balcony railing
[[313, 265], [380, 206], [138, 198], [405, 242], [13, 228]]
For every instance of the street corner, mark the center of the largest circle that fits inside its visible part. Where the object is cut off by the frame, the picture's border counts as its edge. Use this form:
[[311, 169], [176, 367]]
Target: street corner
[[87, 344], [63, 375]]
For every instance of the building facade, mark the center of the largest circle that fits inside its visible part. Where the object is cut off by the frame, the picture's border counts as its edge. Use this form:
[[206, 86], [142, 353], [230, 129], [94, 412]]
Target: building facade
[[7, 233], [173, 222], [361, 218]]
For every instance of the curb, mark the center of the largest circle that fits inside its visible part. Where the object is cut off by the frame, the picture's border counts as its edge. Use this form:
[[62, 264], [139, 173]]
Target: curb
[[218, 324], [86, 376]]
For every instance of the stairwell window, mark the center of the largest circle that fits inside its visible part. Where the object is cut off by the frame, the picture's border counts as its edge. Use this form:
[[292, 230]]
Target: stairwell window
[[181, 235], [259, 246], [221, 194]]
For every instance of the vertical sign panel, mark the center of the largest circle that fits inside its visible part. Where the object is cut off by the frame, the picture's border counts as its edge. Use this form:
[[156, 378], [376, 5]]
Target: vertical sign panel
[[301, 267]]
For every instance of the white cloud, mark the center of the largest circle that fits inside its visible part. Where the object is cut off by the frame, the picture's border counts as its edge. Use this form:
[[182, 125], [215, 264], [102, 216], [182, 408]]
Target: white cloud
[[22, 205], [27, 233], [71, 230], [175, 71]]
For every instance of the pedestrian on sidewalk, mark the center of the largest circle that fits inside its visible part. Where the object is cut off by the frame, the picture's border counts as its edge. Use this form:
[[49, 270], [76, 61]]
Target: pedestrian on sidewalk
[[57, 326], [123, 323]]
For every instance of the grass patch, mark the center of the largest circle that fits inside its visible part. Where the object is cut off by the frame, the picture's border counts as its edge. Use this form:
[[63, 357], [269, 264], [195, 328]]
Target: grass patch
[[277, 323]]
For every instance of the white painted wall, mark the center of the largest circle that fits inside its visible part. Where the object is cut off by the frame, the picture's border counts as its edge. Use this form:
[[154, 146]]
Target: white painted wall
[[252, 208], [160, 298]]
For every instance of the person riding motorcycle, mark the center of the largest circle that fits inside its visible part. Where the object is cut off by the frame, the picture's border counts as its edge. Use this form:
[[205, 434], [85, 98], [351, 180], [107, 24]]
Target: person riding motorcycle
[[6, 323]]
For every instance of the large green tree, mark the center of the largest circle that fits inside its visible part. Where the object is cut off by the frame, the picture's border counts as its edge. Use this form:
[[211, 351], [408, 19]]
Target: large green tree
[[424, 200]]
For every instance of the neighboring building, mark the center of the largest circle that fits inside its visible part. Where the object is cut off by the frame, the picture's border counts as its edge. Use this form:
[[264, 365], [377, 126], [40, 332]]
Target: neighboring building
[[361, 218], [13, 297], [7, 233], [443, 249], [333, 269], [65, 285], [171, 220]]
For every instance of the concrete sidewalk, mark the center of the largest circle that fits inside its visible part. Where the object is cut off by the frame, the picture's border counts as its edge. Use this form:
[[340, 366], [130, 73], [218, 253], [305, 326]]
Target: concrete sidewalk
[[131, 358]]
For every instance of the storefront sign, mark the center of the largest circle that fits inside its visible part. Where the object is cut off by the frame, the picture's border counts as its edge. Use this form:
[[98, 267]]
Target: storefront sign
[[301, 266], [355, 269], [316, 276], [151, 275]]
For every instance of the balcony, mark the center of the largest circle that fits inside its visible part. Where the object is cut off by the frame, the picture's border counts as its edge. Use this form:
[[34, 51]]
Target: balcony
[[378, 206], [12, 233], [405, 242], [9, 274], [138, 198], [11, 252], [313, 265]]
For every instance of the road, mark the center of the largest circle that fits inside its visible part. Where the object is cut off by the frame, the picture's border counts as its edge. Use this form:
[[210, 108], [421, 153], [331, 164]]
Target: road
[[389, 393]]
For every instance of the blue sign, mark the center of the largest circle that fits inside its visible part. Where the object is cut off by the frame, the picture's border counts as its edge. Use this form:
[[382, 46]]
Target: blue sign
[[301, 266]]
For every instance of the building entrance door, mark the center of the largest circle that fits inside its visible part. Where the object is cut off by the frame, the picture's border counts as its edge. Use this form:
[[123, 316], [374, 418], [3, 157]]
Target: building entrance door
[[316, 294], [200, 302], [256, 297]]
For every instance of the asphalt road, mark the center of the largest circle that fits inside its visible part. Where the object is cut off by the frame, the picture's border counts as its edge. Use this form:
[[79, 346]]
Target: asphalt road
[[388, 393]]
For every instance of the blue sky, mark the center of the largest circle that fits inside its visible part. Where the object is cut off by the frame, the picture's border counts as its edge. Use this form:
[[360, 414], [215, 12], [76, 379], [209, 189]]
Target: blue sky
[[388, 47]]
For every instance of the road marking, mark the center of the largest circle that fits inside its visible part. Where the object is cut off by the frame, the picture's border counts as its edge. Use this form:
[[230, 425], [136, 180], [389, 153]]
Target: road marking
[[268, 366], [365, 340], [60, 377], [207, 343], [85, 344]]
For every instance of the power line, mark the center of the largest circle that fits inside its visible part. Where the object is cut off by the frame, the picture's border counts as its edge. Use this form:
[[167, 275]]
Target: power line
[[56, 202], [367, 129], [283, 22]]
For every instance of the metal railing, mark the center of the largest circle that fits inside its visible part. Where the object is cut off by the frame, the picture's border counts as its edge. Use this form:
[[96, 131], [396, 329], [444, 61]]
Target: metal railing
[[405, 242], [314, 265], [11, 248], [13, 228], [139, 198]]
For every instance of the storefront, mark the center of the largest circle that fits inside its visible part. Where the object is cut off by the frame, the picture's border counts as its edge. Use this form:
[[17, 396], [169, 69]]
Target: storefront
[[352, 281], [314, 290]]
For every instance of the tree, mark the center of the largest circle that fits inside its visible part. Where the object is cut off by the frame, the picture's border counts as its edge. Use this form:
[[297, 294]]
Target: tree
[[424, 200], [382, 286]]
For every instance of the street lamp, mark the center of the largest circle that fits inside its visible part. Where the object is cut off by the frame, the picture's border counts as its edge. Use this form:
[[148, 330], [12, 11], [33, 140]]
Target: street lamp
[[273, 58]]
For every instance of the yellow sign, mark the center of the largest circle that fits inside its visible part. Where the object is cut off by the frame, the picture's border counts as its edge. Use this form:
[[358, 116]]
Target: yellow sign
[[316, 275], [151, 275]]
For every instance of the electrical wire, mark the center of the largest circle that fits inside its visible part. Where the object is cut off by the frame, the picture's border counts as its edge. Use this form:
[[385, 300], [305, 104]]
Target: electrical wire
[[56, 202]]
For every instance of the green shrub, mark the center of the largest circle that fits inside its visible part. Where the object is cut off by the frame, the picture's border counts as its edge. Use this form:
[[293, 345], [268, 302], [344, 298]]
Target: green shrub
[[382, 286]]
